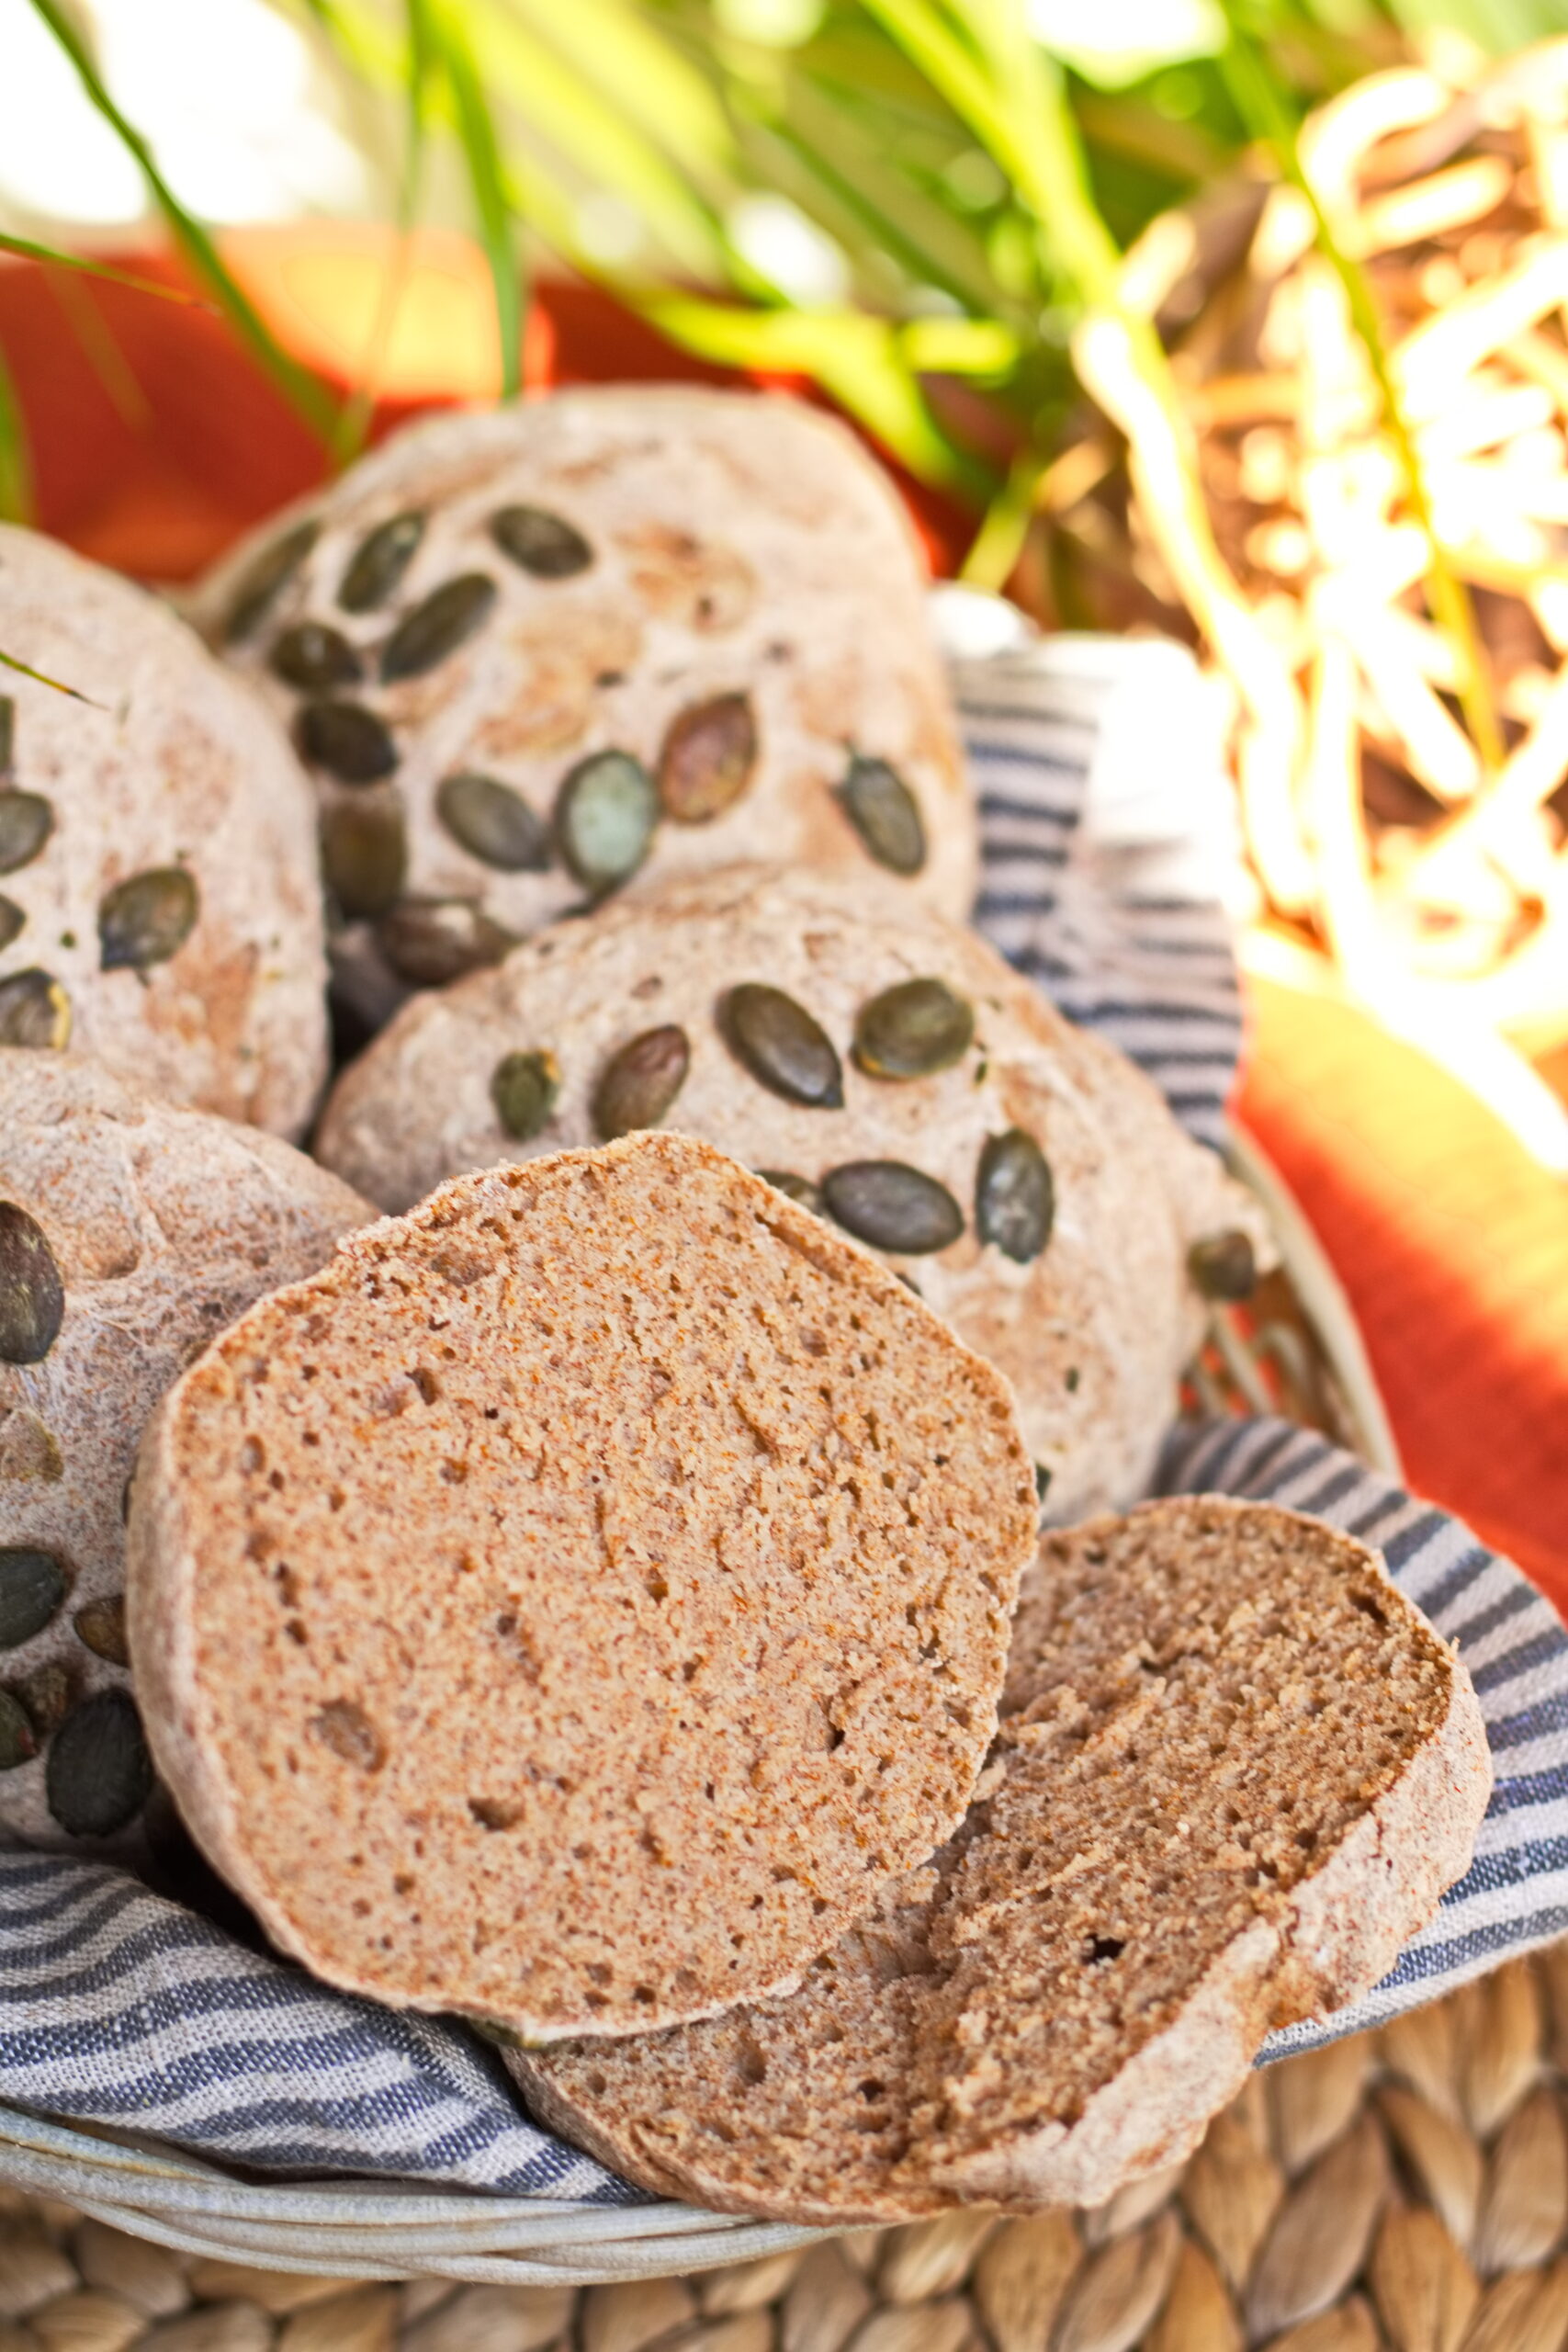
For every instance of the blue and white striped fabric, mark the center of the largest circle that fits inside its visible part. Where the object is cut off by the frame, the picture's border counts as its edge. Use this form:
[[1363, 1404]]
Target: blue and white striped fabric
[[1106, 846]]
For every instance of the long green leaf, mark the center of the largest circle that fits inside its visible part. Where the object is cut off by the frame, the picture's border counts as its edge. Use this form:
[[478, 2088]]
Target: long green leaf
[[41, 678], [488, 184], [28, 251], [15, 468]]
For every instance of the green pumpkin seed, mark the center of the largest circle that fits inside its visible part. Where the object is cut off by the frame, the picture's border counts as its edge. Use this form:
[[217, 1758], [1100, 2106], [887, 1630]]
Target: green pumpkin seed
[[48, 1693], [18, 1741], [379, 562], [544, 544], [885, 813], [264, 581], [1042, 1482], [348, 1732], [346, 739], [32, 1296], [32, 1586], [796, 1188], [146, 919], [447, 618], [913, 1030], [315, 658], [101, 1627], [892, 1206], [785, 1049], [1222, 1266], [1015, 1195], [8, 735], [641, 1081], [34, 1011], [605, 812], [525, 1087], [494, 824], [99, 1774], [707, 758], [429, 942], [27, 821], [13, 921], [364, 856]]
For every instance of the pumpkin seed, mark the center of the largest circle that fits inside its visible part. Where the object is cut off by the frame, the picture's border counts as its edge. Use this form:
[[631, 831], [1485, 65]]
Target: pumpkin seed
[[348, 1731], [544, 543], [7, 734], [428, 941], [48, 1693], [18, 1741], [32, 1296], [1222, 1266], [315, 658], [346, 739], [892, 1206], [98, 1774], [523, 1088], [1015, 1195], [34, 1011], [26, 822], [640, 1083], [13, 921], [364, 856], [494, 824], [101, 1627], [885, 813], [785, 1049], [32, 1586], [605, 812], [797, 1188], [146, 919], [913, 1030], [707, 758], [449, 616], [379, 562], [1042, 1482], [262, 582]]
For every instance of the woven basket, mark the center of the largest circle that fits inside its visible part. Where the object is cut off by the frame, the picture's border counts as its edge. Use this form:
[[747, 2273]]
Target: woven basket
[[1293, 1350]]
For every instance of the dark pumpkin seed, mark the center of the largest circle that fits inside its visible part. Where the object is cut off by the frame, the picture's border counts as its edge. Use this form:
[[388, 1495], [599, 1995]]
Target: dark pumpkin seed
[[525, 1087], [797, 1188], [913, 1030], [8, 736], [785, 1049], [146, 919], [379, 562], [429, 942], [892, 1206], [885, 813], [346, 739], [26, 822], [34, 1011], [348, 1730], [544, 543], [315, 658], [494, 824], [604, 816], [13, 921], [48, 1693], [1015, 1195], [640, 1082], [262, 582], [32, 1586], [18, 1740], [1222, 1266], [707, 758], [32, 1296], [364, 856], [101, 1627], [449, 616], [1042, 1482], [99, 1774]]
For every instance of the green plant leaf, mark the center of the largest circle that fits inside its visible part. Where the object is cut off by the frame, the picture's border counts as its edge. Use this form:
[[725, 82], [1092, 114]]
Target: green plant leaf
[[487, 182], [16, 466], [28, 251], [41, 678]]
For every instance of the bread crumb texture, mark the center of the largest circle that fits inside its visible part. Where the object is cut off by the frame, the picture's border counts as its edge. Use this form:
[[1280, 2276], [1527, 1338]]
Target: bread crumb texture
[[575, 1605], [1233, 1772]]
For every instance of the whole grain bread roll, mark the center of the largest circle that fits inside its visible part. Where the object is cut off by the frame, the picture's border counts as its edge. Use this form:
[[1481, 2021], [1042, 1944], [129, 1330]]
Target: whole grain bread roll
[[1235, 1771], [1049, 1203], [160, 893], [130, 1232], [573, 1605], [537, 653]]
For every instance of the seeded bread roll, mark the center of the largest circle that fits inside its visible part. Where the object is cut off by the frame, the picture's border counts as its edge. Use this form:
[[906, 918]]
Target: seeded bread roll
[[160, 896], [1235, 1771], [535, 655], [129, 1234], [573, 1605], [1046, 1200]]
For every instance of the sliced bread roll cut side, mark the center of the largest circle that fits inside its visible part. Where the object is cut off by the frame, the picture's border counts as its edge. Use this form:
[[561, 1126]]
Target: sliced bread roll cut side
[[573, 1605], [1234, 1773]]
